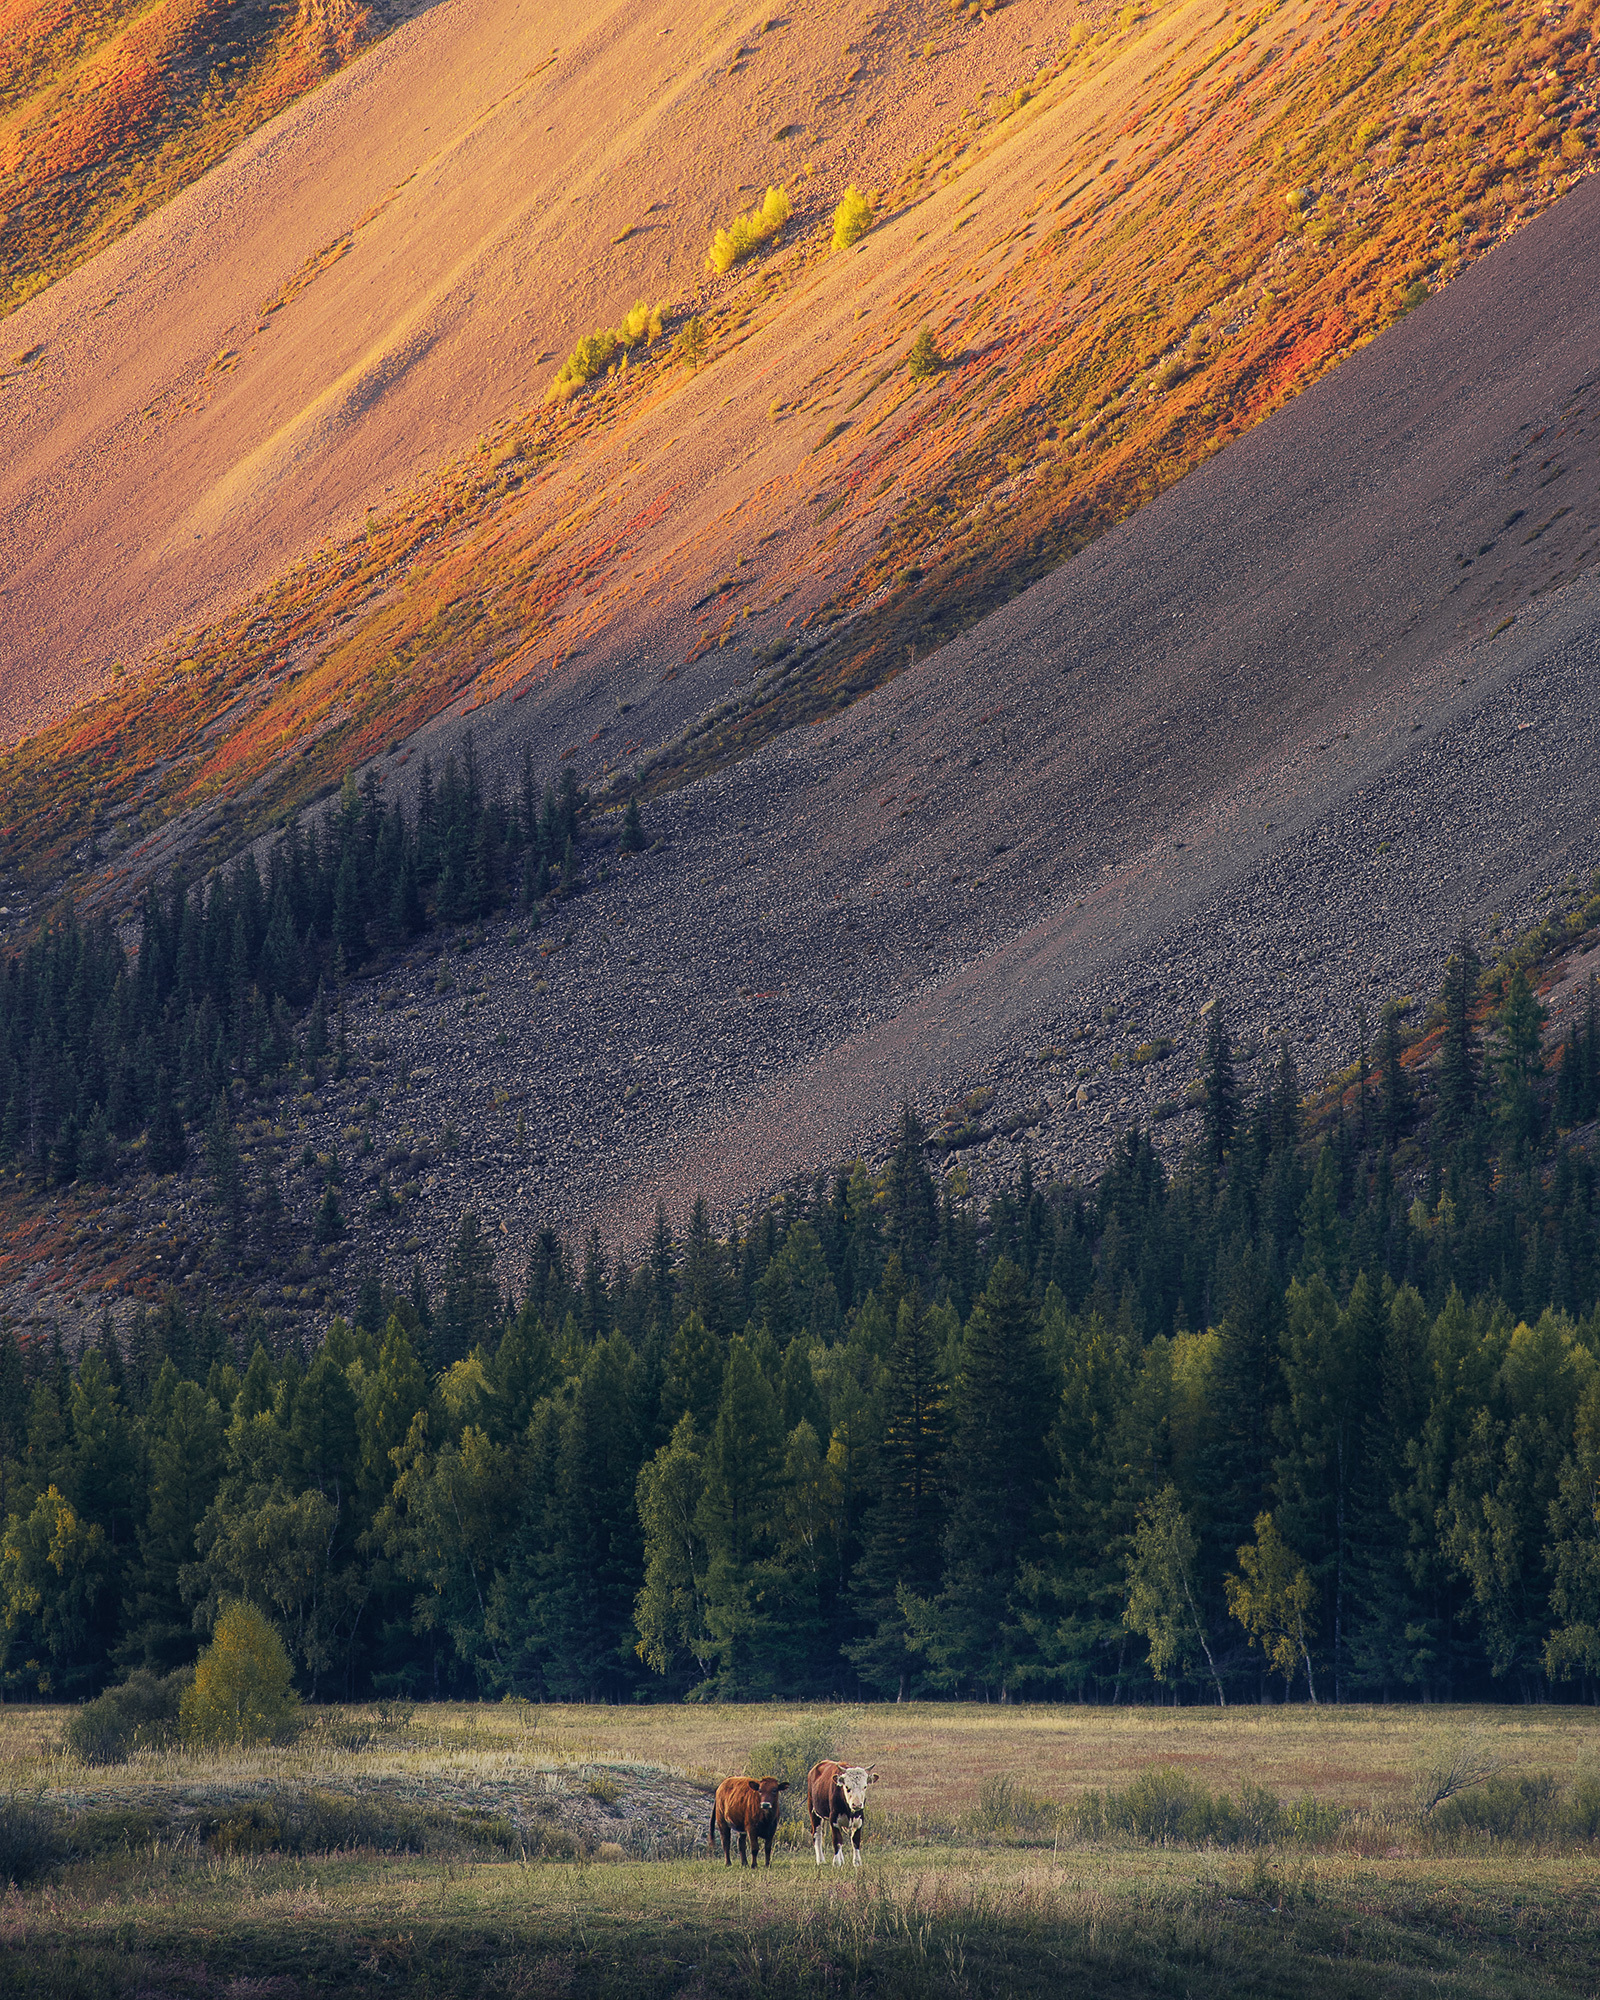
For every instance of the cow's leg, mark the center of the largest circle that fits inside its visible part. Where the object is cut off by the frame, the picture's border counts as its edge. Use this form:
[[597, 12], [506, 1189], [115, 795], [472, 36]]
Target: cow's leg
[[855, 1841], [769, 1850], [838, 1845], [817, 1824], [744, 1852], [727, 1845]]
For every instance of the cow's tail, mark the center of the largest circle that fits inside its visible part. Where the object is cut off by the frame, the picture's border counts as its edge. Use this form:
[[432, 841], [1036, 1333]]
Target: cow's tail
[[712, 1834]]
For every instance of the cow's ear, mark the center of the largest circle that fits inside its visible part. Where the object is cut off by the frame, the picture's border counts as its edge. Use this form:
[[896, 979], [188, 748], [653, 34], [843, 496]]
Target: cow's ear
[[783, 1784], [872, 1774]]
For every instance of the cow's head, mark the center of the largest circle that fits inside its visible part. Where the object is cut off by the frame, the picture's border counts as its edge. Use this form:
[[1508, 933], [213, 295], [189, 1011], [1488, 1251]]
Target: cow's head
[[768, 1790], [853, 1782]]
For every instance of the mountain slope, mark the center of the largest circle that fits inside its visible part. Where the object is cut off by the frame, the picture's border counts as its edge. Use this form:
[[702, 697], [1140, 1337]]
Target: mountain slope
[[1294, 710], [107, 110], [1138, 290]]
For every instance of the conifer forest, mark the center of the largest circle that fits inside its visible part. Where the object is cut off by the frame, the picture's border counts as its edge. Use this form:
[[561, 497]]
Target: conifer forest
[[1315, 1416]]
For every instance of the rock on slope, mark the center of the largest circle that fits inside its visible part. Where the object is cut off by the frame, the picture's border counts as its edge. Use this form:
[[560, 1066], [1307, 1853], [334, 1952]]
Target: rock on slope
[[1247, 745]]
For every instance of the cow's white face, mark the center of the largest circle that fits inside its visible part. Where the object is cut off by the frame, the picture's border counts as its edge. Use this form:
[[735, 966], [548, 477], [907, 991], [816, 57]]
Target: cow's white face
[[853, 1783]]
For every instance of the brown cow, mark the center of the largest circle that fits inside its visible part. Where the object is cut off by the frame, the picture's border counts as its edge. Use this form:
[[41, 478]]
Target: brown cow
[[746, 1806], [837, 1793]]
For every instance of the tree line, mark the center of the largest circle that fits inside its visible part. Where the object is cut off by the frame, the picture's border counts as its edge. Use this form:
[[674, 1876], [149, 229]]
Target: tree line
[[1318, 1412], [108, 1060]]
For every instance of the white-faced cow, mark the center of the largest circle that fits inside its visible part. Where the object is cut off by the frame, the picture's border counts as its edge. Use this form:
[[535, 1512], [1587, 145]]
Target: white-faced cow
[[836, 1795], [746, 1806]]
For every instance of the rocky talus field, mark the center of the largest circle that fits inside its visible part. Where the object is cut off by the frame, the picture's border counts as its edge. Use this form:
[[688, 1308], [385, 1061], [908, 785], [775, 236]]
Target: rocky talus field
[[1214, 623]]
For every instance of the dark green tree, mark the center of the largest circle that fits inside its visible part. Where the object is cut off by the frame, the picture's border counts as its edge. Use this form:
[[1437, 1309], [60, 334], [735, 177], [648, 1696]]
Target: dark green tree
[[470, 1310], [902, 1535], [1394, 1087], [1457, 1072], [1220, 1109], [974, 1632], [166, 1146]]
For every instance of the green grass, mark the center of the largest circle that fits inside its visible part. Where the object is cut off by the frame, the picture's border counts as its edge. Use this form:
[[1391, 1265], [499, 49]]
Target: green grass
[[1009, 1850], [922, 1920]]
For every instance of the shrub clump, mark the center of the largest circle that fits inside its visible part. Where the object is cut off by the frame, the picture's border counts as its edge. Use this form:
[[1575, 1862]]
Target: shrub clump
[[1529, 1809], [851, 219], [792, 1752], [747, 233], [1007, 1810], [924, 359], [140, 1714], [243, 1689], [690, 345], [1169, 1808], [31, 1836], [597, 352], [319, 1822]]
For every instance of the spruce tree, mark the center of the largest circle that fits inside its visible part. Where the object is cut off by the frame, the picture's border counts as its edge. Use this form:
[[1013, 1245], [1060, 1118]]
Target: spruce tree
[[596, 1308], [329, 1224], [1458, 1080], [692, 1385], [1394, 1087], [910, 1206], [1517, 1059], [1285, 1100], [902, 1536], [183, 1433], [576, 1561], [227, 1182], [632, 839], [974, 1633], [661, 1261], [1221, 1102], [470, 1311], [166, 1146]]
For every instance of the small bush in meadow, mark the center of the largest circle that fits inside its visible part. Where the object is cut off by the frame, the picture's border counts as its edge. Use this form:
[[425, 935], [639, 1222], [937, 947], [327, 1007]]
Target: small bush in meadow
[[1008, 1810], [592, 356], [140, 1714], [851, 219], [243, 1689], [747, 233], [792, 1752], [1167, 1807], [643, 322], [30, 1836], [1525, 1808]]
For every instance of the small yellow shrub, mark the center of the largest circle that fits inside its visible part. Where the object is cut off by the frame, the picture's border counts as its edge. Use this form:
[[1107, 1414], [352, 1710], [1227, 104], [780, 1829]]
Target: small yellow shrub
[[747, 233], [851, 219], [243, 1690], [642, 323], [597, 352]]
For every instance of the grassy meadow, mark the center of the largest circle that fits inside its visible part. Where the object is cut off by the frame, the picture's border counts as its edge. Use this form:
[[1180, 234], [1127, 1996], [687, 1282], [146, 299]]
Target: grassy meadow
[[505, 1849]]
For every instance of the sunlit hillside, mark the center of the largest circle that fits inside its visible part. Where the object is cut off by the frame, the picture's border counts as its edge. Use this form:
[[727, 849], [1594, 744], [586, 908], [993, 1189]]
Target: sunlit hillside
[[1127, 242], [108, 109]]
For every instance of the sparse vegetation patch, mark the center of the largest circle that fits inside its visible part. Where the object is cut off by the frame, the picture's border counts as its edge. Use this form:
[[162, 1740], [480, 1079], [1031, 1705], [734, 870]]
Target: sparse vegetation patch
[[749, 232]]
